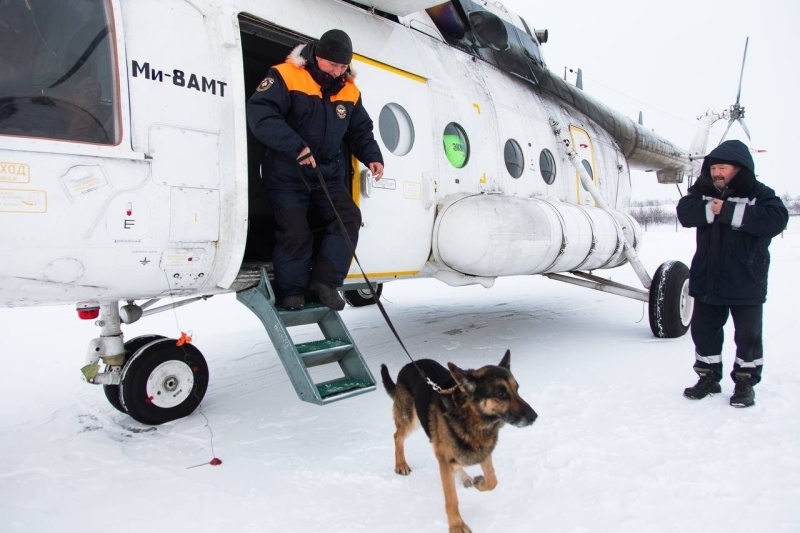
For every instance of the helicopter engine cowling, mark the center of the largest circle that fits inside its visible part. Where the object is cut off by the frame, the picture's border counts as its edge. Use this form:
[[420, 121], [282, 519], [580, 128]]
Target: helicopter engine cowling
[[494, 235]]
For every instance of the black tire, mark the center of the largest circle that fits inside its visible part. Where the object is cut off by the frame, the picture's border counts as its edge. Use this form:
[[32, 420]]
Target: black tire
[[362, 297], [162, 382], [131, 347], [670, 304]]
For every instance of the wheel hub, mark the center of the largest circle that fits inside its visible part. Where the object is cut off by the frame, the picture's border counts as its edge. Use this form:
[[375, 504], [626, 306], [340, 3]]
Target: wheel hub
[[687, 304], [170, 384]]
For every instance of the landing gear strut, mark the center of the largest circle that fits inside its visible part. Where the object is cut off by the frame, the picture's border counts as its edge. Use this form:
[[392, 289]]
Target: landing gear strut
[[668, 297], [131, 347], [151, 378]]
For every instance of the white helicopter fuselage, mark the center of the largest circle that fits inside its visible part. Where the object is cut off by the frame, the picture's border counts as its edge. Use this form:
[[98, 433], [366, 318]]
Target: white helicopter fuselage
[[165, 203], [128, 174]]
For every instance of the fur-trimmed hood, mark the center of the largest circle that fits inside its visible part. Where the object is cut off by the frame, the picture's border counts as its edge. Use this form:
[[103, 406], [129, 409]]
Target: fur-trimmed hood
[[303, 53]]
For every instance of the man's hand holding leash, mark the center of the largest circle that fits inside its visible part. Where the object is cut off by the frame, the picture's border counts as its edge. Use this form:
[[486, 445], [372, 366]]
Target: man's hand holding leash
[[306, 158], [376, 169]]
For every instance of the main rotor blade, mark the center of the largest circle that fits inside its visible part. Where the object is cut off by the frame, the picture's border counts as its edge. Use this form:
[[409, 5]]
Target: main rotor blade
[[741, 74], [730, 123], [744, 126]]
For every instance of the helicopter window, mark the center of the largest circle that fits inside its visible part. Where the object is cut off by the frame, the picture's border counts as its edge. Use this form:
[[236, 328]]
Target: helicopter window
[[456, 145], [547, 165], [396, 129], [531, 43], [57, 70], [515, 161], [489, 29], [588, 167]]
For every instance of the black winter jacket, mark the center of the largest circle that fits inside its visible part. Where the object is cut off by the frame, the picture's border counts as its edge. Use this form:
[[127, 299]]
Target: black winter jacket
[[731, 263], [298, 105]]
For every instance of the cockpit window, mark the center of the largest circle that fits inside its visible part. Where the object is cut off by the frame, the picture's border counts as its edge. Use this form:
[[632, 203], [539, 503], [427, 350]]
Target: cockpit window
[[486, 31], [57, 70]]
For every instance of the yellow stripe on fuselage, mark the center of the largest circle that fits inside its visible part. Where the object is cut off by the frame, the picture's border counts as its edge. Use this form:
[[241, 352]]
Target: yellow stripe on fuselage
[[405, 274], [389, 68]]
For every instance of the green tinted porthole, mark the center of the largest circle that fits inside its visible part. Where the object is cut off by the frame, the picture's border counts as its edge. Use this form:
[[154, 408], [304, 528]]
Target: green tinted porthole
[[547, 165], [515, 163], [396, 129], [456, 145]]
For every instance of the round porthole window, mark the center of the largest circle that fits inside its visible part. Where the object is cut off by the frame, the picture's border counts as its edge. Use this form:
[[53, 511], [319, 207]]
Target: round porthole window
[[456, 145], [547, 165], [396, 129], [515, 162]]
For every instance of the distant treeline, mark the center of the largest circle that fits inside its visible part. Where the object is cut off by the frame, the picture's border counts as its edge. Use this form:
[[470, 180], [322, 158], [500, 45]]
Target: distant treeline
[[647, 212]]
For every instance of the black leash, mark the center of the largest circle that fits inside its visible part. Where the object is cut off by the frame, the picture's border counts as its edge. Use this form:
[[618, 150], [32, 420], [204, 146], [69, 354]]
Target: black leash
[[386, 318]]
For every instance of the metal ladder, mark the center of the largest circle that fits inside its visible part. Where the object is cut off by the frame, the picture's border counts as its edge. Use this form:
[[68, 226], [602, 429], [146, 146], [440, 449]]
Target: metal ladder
[[337, 346]]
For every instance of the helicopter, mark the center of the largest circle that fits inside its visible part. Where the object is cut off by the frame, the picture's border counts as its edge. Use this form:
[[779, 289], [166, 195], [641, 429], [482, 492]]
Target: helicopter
[[128, 174]]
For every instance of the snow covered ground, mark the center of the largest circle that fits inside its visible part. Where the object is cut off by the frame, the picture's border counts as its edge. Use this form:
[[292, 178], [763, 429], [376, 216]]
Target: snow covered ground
[[616, 447]]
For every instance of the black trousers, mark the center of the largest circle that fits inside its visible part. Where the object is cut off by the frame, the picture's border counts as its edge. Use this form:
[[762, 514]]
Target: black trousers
[[294, 258], [708, 336]]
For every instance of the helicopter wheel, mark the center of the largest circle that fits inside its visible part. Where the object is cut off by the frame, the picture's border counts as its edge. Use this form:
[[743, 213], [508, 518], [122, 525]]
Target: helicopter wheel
[[670, 304], [131, 347], [362, 297], [162, 382]]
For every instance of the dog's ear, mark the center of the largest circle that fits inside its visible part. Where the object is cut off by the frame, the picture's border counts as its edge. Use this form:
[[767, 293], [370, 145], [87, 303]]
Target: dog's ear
[[463, 379], [506, 362]]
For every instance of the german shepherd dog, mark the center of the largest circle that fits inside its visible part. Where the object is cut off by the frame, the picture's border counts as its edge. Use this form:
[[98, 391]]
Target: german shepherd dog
[[462, 420]]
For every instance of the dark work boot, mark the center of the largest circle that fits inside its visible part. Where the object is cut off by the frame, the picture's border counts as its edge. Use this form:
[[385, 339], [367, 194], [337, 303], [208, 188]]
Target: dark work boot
[[707, 384], [743, 393], [293, 302], [328, 296]]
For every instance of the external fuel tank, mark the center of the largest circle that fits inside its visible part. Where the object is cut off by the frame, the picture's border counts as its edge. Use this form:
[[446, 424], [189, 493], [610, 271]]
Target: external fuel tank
[[493, 235]]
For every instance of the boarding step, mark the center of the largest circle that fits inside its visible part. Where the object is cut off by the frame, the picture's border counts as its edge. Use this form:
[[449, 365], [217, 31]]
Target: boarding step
[[336, 346]]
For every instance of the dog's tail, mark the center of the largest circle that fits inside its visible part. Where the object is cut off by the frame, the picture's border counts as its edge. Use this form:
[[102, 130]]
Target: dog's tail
[[388, 384]]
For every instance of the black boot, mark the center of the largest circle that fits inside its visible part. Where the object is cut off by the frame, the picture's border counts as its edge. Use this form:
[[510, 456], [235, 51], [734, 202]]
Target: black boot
[[743, 393], [707, 384], [293, 302], [328, 296]]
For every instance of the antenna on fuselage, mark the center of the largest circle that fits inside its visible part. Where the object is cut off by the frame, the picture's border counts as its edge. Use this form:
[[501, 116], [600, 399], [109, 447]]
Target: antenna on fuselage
[[578, 76], [736, 112]]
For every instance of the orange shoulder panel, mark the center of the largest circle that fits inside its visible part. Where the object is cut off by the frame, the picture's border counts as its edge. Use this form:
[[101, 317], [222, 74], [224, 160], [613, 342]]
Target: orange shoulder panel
[[349, 93], [298, 79]]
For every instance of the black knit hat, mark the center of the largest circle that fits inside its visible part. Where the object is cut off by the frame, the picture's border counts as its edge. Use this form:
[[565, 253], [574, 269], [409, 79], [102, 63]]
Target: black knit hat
[[715, 161], [335, 45]]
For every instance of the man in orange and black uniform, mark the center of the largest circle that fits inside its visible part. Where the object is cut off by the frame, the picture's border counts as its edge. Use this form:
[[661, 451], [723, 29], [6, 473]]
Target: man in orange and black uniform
[[306, 112]]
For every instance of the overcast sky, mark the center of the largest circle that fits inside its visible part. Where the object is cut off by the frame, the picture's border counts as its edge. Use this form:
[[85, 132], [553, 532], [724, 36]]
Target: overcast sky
[[673, 60]]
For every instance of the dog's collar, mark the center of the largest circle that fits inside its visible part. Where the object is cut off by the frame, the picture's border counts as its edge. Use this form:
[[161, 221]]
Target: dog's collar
[[438, 388]]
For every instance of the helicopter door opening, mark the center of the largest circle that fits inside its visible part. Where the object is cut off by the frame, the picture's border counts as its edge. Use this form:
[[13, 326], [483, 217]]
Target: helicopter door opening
[[263, 46], [396, 210]]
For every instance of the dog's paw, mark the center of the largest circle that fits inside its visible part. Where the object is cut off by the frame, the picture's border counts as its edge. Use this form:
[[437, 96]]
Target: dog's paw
[[476, 482], [403, 469], [482, 484], [467, 480], [460, 528]]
